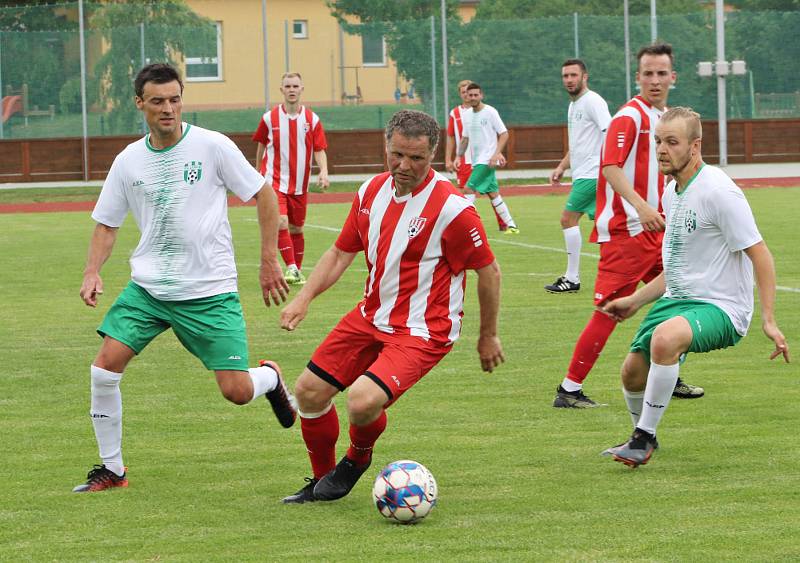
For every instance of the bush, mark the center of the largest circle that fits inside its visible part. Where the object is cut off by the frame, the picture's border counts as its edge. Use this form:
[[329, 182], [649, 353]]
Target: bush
[[70, 94]]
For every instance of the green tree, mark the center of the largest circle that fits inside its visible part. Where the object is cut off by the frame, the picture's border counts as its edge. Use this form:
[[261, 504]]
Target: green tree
[[168, 26], [511, 9]]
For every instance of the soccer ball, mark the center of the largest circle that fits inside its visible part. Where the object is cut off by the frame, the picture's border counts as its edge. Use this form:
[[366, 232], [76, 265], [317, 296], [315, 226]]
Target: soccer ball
[[405, 491]]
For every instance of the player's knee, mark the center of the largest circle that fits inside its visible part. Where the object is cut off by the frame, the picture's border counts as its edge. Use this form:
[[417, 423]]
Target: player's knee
[[634, 372], [363, 407], [664, 348], [308, 396]]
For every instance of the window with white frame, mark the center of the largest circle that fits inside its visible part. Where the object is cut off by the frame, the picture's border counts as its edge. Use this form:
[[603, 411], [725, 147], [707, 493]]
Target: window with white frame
[[300, 29], [373, 49], [203, 55]]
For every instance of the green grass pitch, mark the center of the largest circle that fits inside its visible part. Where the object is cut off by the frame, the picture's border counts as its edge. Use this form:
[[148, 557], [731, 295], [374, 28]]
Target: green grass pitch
[[518, 480]]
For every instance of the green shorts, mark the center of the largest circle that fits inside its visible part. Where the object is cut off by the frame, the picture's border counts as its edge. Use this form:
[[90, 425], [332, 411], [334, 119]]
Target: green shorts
[[712, 329], [211, 328], [583, 197], [483, 179]]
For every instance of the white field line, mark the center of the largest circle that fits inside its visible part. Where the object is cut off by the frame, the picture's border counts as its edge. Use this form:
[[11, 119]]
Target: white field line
[[524, 245]]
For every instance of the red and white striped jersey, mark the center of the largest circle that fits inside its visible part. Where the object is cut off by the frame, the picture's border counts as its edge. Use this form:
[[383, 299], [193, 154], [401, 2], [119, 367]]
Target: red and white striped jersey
[[630, 144], [290, 141], [458, 120], [417, 248]]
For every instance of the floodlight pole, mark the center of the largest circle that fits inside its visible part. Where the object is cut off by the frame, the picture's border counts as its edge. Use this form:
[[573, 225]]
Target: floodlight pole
[[2, 133], [445, 60], [266, 57], [575, 34], [653, 22], [433, 65], [83, 93], [722, 110], [627, 51]]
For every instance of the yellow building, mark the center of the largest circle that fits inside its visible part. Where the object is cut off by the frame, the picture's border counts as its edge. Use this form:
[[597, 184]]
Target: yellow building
[[302, 36]]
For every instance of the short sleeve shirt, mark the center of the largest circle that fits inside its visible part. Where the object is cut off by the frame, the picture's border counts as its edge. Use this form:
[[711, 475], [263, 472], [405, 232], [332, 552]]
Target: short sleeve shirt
[[709, 225], [484, 127], [178, 198], [587, 121]]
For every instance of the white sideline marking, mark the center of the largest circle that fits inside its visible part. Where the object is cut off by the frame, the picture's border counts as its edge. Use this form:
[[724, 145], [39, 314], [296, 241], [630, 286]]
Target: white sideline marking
[[524, 245]]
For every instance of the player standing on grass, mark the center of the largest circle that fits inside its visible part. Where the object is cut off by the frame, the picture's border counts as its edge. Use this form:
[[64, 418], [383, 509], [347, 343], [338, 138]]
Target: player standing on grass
[[287, 136], [418, 235], [486, 137], [174, 181], [628, 222], [456, 123], [587, 121], [705, 293]]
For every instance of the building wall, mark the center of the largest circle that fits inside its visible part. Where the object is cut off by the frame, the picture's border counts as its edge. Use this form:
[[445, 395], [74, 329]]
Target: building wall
[[318, 58]]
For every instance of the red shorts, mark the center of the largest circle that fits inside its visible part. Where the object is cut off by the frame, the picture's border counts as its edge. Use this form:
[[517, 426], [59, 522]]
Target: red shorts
[[293, 206], [355, 348], [626, 262], [463, 174]]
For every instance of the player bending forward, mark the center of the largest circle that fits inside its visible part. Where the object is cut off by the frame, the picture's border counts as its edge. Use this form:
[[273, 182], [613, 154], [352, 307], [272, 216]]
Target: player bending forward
[[418, 235], [705, 293]]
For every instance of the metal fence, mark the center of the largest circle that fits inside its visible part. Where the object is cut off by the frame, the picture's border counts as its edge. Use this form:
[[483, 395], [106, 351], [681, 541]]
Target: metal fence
[[516, 62]]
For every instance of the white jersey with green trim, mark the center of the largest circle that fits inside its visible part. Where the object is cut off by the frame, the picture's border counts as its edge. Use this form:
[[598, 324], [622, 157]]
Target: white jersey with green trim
[[178, 198], [709, 225], [587, 121], [484, 127]]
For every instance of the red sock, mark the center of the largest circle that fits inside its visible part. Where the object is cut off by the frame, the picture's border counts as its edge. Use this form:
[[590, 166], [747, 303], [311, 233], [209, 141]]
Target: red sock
[[500, 222], [590, 344], [320, 435], [363, 438], [285, 247], [299, 244]]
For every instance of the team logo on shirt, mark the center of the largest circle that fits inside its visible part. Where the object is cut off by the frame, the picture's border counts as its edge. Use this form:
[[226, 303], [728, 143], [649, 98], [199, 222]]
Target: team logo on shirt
[[416, 225], [192, 172], [306, 127], [690, 221]]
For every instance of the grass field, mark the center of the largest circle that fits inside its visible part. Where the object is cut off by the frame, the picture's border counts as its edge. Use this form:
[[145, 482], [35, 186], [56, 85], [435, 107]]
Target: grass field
[[519, 480]]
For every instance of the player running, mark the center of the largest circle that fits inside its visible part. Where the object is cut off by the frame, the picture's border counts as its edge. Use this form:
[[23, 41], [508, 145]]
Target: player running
[[419, 236], [287, 136], [587, 121], [705, 293]]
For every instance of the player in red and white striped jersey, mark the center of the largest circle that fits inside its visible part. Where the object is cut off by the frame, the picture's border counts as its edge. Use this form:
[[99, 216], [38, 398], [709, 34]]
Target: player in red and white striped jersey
[[456, 122], [288, 135], [419, 235], [628, 220]]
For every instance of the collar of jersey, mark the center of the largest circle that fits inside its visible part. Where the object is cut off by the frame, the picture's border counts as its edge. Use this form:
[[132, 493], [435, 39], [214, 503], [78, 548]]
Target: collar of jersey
[[689, 183], [301, 109], [421, 186], [186, 127]]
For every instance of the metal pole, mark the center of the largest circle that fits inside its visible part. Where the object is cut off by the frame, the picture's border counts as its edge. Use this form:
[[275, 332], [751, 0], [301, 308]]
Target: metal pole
[[433, 65], [286, 44], [341, 63], [445, 61], [722, 110], [266, 51], [144, 62], [2, 132], [577, 50], [752, 97], [626, 19], [653, 22], [83, 93]]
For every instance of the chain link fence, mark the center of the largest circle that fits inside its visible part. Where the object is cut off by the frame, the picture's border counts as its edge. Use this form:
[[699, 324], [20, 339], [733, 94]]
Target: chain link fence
[[516, 62]]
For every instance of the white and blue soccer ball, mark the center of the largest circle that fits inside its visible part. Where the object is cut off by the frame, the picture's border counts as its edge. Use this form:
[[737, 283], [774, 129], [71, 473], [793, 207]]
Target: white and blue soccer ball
[[405, 491]]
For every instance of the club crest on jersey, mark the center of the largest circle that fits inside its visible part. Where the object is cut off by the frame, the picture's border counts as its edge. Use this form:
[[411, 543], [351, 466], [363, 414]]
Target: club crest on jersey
[[192, 172], [690, 221], [416, 225], [306, 127]]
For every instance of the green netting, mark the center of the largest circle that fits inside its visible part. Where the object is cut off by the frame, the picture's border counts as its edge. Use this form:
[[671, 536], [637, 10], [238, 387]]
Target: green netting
[[517, 63]]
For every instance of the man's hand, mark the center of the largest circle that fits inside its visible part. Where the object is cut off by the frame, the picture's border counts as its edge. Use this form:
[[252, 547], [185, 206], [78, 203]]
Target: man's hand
[[620, 309], [322, 181], [781, 347], [294, 313], [92, 287], [651, 219], [457, 163], [490, 352], [449, 165], [556, 175], [273, 286], [497, 161]]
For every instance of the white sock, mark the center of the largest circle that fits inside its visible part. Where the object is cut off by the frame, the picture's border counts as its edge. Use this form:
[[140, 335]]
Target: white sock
[[106, 413], [470, 198], [571, 386], [264, 379], [634, 400], [572, 239], [660, 384], [502, 211]]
